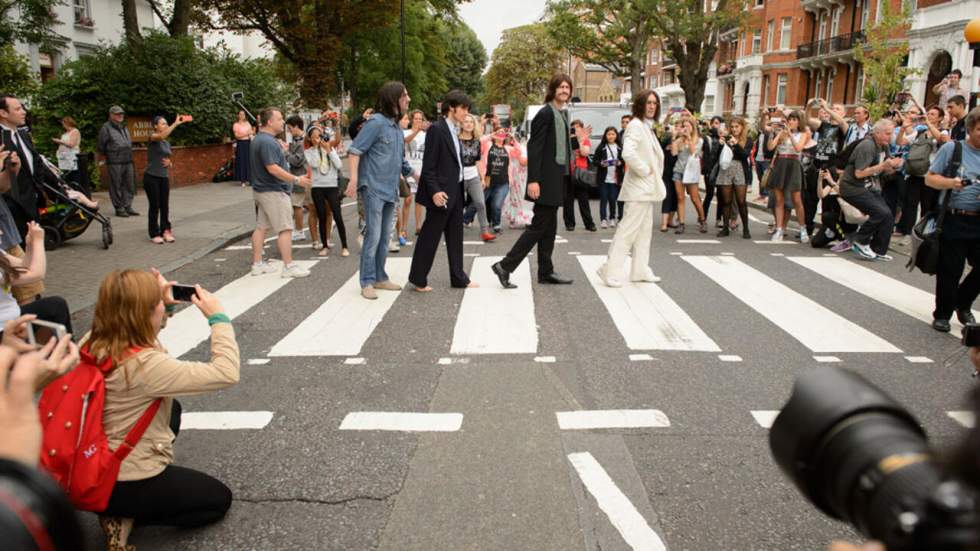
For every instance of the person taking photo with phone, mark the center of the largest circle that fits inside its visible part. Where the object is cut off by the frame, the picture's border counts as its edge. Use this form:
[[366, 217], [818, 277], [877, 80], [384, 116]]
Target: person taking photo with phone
[[156, 178], [949, 87]]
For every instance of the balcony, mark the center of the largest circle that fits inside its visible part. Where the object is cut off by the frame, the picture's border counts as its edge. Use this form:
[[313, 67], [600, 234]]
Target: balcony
[[816, 5], [829, 51]]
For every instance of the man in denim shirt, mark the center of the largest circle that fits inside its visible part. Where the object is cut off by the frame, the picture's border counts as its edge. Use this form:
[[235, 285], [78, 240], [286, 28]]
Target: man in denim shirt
[[377, 158]]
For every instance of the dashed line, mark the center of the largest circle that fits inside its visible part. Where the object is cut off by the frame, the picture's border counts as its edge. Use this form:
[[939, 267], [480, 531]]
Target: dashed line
[[611, 419], [827, 359], [964, 418], [729, 358], [258, 361], [776, 254], [699, 241], [676, 254], [641, 358], [574, 253], [402, 421], [355, 361], [545, 359], [224, 420], [768, 242], [918, 359]]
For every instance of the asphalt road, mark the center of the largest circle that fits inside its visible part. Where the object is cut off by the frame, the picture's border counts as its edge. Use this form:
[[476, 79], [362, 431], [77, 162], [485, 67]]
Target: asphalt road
[[510, 477]]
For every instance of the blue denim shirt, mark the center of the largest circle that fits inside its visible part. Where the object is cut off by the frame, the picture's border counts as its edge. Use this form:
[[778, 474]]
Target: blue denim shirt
[[381, 146]]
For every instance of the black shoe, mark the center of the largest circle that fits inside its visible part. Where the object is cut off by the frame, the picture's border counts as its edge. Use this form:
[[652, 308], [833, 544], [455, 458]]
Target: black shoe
[[569, 228], [965, 316], [554, 279], [131, 212], [746, 234], [723, 232], [503, 276], [121, 213], [941, 325], [591, 228]]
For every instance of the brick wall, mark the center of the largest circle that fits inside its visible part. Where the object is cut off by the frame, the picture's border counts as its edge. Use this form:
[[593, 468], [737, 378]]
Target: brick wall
[[191, 164]]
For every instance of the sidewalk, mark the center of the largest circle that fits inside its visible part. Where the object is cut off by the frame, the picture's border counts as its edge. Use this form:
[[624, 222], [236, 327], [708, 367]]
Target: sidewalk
[[204, 217]]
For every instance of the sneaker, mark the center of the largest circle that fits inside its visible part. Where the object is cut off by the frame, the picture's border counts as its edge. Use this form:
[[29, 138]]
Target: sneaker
[[841, 246], [883, 258], [402, 241], [299, 235], [468, 225], [294, 270], [393, 246], [387, 286], [804, 236], [777, 235], [496, 229], [487, 237], [603, 224], [158, 240], [369, 293], [863, 251], [263, 268], [612, 223], [168, 236]]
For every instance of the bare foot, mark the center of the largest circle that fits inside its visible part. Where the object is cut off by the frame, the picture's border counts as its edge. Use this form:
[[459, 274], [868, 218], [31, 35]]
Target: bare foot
[[425, 289], [473, 285]]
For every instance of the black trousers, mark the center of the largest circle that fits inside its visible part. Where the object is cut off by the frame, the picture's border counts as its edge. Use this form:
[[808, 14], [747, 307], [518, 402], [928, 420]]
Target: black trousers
[[158, 194], [951, 293], [53, 309], [877, 231], [709, 195], [541, 232], [810, 198], [440, 222], [573, 193], [917, 194], [322, 197]]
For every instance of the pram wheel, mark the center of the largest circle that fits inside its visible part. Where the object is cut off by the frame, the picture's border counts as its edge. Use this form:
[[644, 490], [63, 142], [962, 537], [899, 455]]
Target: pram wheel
[[52, 238], [106, 236]]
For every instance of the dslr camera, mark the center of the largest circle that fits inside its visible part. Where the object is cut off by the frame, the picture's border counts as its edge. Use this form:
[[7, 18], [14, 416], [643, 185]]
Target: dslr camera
[[862, 458]]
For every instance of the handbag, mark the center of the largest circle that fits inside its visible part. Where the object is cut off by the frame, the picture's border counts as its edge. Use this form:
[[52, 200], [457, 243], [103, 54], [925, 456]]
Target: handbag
[[403, 189], [586, 177], [852, 215], [725, 159], [764, 181], [924, 253], [692, 171]]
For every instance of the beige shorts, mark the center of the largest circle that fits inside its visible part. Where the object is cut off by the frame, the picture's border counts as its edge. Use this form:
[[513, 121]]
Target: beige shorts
[[297, 199], [275, 212]]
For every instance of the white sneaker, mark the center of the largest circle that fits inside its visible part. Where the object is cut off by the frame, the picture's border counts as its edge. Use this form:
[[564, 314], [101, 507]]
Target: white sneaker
[[612, 223], [603, 224], [777, 235], [393, 246], [263, 268], [863, 251], [299, 235], [360, 239], [294, 270], [804, 237]]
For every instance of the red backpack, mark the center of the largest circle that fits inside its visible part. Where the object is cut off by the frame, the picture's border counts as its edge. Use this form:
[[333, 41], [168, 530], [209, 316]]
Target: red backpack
[[75, 450]]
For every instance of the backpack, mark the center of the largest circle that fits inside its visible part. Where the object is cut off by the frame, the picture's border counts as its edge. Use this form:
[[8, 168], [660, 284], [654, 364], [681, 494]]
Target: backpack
[[842, 158], [924, 253], [917, 162], [75, 450]]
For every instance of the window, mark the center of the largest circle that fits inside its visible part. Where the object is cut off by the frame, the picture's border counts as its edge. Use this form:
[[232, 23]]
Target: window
[[760, 3], [756, 42], [781, 89], [878, 11], [823, 26], [785, 33], [765, 91], [859, 86], [819, 86], [835, 21], [82, 12], [709, 104], [830, 87], [865, 12], [770, 31]]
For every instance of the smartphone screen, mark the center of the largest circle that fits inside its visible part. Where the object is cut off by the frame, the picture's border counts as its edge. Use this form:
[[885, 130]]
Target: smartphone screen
[[183, 293]]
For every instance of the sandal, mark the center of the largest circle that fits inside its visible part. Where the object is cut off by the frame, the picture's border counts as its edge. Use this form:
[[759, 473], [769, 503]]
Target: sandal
[[703, 226], [680, 229], [771, 229]]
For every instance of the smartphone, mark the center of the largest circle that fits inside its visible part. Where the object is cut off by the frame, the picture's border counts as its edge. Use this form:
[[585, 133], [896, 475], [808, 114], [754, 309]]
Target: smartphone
[[39, 332], [575, 144], [183, 293]]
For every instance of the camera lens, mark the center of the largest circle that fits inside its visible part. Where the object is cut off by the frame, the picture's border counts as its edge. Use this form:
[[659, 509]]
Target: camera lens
[[854, 452]]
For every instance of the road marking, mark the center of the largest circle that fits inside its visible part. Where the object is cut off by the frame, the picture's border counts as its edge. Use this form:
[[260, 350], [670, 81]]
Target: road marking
[[545, 359], [342, 324], [730, 358], [647, 318], [401, 421], [190, 328], [765, 417], [727, 254], [509, 312], [220, 259], [827, 359], [676, 254], [574, 253], [918, 359], [473, 243], [768, 242], [606, 240], [965, 418], [445, 361], [776, 254], [242, 247], [258, 361], [699, 241], [754, 219], [611, 419], [891, 292], [824, 331], [224, 420], [471, 254], [641, 358], [622, 514], [355, 361], [831, 255]]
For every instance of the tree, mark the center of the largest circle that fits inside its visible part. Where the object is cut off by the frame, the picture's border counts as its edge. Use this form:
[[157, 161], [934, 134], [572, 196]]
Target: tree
[[883, 59], [15, 73], [177, 15], [32, 24], [466, 60], [522, 64], [131, 24]]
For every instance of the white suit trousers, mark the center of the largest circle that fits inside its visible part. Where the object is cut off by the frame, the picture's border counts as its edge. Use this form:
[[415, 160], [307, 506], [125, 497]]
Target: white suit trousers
[[633, 233]]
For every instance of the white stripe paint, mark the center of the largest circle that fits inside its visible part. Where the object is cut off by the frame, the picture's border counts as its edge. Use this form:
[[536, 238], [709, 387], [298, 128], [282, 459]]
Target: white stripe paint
[[545, 359], [645, 315], [494, 320], [189, 327], [473, 243], [574, 253], [220, 259], [224, 420], [622, 514], [401, 421], [823, 330], [827, 359], [606, 240], [830, 255], [730, 358], [965, 418], [241, 247], [765, 418], [676, 254], [776, 254], [258, 361], [355, 361], [918, 359], [757, 220], [641, 358], [611, 419], [901, 296], [727, 254], [768, 242], [471, 254], [342, 324], [700, 241]]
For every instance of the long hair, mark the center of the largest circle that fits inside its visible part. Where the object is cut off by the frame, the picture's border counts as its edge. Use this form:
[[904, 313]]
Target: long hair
[[744, 134], [389, 99], [640, 104], [605, 133], [694, 137], [127, 299], [557, 81]]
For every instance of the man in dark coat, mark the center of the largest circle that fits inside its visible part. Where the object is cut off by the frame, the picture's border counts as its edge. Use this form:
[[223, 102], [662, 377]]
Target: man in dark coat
[[550, 158]]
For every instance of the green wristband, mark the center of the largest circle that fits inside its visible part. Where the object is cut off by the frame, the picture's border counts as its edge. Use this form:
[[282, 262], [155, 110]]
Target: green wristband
[[220, 317], [170, 308]]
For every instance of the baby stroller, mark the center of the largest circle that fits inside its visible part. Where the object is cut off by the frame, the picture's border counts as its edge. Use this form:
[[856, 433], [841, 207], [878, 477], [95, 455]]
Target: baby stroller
[[65, 218]]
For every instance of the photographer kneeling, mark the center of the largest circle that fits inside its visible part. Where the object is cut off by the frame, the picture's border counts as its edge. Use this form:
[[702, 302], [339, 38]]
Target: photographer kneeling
[[130, 312]]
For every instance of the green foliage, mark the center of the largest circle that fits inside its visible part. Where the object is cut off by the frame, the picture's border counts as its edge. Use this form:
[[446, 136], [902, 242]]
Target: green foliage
[[523, 63], [883, 57], [33, 24], [16, 74], [466, 60], [161, 76]]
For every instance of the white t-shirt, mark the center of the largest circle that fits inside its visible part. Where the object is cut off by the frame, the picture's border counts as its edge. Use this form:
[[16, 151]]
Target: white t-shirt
[[612, 153], [9, 309], [324, 167], [415, 150], [67, 156]]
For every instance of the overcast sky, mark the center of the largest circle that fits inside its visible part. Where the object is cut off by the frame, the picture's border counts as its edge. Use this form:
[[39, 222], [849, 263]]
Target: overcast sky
[[488, 18]]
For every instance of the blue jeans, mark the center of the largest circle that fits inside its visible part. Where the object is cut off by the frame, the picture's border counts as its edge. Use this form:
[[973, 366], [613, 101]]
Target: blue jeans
[[494, 198], [378, 216], [608, 193], [760, 169]]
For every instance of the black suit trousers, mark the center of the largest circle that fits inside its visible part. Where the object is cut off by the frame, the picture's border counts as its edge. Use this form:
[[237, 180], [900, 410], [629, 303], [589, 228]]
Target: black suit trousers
[[576, 193], [440, 222], [541, 232]]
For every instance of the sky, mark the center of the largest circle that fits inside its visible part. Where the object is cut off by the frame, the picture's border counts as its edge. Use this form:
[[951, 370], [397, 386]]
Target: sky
[[488, 18]]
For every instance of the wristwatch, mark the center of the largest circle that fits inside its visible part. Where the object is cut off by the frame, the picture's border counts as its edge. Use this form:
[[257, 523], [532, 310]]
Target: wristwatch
[[296, 181]]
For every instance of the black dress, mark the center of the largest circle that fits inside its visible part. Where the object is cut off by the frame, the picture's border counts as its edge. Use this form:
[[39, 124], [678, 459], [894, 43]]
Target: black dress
[[670, 160]]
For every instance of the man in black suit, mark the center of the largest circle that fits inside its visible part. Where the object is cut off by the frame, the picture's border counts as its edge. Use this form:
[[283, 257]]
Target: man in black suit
[[22, 199], [441, 193], [549, 161]]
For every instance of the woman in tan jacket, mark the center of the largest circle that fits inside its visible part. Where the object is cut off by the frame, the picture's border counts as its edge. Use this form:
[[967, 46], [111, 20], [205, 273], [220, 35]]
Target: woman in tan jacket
[[131, 309]]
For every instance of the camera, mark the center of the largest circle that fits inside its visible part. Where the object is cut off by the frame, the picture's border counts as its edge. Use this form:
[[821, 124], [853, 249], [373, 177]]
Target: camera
[[860, 457], [969, 181]]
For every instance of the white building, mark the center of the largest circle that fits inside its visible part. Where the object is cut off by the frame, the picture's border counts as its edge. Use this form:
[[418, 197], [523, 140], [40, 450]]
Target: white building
[[250, 45], [937, 46]]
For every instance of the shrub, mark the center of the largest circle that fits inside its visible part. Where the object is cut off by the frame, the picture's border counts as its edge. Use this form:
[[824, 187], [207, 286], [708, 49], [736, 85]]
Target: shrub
[[16, 74]]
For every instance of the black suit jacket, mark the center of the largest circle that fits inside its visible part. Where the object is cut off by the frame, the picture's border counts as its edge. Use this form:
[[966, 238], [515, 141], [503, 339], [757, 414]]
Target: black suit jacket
[[440, 166], [541, 165], [24, 192]]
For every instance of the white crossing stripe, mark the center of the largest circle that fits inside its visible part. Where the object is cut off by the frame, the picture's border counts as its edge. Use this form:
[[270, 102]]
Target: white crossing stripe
[[700, 241], [965, 418], [258, 361], [622, 514], [342, 324], [767, 242], [827, 359], [402, 421], [545, 359], [355, 361], [611, 419], [641, 358], [645, 315], [494, 320], [676, 254], [918, 359], [891, 292], [766, 417], [224, 420], [190, 328], [776, 254], [823, 331], [472, 242], [730, 358]]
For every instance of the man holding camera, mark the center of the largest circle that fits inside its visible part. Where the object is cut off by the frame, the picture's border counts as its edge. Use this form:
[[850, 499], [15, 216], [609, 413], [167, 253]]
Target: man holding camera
[[949, 87], [958, 172], [860, 127]]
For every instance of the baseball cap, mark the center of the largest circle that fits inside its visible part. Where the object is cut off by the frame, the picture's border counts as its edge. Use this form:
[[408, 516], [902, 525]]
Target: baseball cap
[[116, 110]]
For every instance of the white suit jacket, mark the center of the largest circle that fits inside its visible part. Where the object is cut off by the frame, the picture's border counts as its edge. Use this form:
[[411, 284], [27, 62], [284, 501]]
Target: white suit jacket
[[644, 164]]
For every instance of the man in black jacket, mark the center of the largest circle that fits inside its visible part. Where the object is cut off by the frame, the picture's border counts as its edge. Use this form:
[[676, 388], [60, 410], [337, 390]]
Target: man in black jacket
[[550, 158], [441, 193], [22, 199]]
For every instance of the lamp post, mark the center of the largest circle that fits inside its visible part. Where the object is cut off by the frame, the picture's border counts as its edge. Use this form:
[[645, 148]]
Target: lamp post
[[972, 35]]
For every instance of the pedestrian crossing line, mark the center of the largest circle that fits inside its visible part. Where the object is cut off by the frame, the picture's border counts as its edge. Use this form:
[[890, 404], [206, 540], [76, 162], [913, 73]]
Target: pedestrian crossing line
[[830, 255], [258, 361], [545, 359], [242, 247], [776, 254], [355, 361], [473, 242], [827, 359], [676, 254], [901, 296], [727, 254], [402, 421], [730, 358], [471, 254], [613, 502], [189, 327], [574, 253], [645, 315], [699, 241], [768, 242], [641, 358], [224, 420], [342, 324], [964, 418], [765, 417], [606, 240], [220, 259], [611, 419], [492, 320], [825, 330], [918, 359]]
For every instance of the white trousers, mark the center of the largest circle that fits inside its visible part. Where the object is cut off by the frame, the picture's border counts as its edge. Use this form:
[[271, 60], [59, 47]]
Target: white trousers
[[633, 233]]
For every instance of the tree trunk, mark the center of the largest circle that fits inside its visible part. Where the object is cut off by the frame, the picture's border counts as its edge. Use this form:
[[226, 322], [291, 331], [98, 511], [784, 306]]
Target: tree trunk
[[181, 20], [131, 23], [638, 56]]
